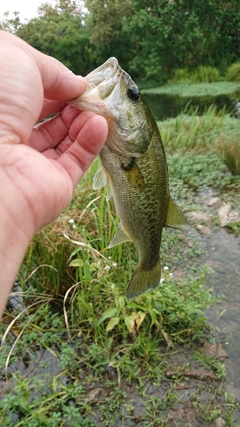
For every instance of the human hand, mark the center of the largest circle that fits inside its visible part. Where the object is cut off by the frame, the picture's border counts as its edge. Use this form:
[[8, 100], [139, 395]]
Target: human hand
[[39, 166], [33, 86]]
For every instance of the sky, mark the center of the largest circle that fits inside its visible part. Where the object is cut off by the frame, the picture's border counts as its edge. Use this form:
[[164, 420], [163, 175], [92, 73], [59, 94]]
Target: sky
[[27, 8]]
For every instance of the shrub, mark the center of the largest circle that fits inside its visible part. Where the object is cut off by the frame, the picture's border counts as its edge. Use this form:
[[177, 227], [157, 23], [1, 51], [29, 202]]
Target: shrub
[[205, 74], [233, 72], [230, 152]]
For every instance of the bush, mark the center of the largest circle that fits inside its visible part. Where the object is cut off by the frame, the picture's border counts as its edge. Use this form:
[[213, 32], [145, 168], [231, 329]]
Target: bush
[[233, 72], [200, 74], [205, 74], [230, 153]]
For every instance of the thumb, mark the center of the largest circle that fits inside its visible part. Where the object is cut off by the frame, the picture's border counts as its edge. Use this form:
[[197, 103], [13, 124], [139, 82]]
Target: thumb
[[59, 83]]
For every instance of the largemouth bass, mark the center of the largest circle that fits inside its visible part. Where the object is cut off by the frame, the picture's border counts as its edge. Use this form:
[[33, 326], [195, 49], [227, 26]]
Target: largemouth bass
[[134, 169]]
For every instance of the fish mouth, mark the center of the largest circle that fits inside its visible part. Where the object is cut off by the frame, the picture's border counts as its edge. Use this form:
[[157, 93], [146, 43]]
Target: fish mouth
[[101, 83], [105, 77], [103, 96]]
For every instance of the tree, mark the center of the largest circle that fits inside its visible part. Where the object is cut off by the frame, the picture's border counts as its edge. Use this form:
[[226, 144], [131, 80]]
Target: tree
[[105, 24], [60, 31]]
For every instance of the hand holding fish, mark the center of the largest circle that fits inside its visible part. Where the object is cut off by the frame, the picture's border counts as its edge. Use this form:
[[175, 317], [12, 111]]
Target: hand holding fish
[[39, 166]]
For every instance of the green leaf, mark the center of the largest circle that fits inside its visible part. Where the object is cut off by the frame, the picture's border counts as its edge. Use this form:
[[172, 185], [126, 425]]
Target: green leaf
[[114, 321], [78, 262], [129, 322], [110, 312]]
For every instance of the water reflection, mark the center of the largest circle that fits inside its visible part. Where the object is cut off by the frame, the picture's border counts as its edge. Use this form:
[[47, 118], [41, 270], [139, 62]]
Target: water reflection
[[165, 106]]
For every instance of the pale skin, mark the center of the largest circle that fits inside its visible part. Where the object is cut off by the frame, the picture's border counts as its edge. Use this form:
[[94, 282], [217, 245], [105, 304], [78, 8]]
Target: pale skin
[[39, 164]]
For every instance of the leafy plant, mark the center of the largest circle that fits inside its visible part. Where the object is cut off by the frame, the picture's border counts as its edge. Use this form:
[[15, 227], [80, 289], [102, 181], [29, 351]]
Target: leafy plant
[[233, 72]]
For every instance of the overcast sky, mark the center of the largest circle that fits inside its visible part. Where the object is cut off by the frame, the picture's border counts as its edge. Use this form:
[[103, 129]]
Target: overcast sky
[[27, 8]]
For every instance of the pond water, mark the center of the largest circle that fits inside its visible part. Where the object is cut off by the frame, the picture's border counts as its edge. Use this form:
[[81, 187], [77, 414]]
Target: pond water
[[165, 106]]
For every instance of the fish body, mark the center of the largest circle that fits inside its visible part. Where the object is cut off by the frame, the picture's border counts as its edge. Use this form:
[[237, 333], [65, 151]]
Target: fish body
[[134, 169]]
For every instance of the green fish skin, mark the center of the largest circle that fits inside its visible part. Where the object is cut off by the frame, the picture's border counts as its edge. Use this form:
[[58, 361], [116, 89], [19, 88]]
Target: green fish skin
[[134, 169]]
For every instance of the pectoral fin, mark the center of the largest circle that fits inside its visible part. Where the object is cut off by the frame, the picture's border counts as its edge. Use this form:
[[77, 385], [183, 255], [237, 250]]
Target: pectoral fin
[[121, 236], [175, 217], [102, 179]]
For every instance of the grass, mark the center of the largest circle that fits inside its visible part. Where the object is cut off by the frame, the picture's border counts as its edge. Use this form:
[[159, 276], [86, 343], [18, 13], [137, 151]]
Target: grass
[[74, 352], [215, 133]]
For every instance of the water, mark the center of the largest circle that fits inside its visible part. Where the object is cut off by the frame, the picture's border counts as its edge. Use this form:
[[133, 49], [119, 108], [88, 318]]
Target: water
[[165, 106]]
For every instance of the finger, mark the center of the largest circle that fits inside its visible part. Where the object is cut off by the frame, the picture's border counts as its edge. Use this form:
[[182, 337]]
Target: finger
[[51, 107], [50, 133], [74, 130], [89, 142], [58, 81]]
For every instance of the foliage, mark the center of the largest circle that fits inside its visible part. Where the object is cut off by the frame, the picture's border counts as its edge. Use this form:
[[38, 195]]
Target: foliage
[[233, 72], [200, 74], [59, 31], [230, 152], [198, 133], [105, 23], [150, 38]]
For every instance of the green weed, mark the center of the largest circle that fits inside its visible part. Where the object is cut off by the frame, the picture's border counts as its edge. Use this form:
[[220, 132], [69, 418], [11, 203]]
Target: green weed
[[200, 74], [230, 153], [233, 72]]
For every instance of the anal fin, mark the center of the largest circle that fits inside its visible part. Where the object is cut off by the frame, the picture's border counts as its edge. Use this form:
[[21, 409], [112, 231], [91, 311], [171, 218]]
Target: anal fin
[[175, 217]]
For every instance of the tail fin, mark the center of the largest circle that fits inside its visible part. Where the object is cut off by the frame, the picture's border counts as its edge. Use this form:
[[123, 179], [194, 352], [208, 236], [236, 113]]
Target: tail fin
[[142, 280]]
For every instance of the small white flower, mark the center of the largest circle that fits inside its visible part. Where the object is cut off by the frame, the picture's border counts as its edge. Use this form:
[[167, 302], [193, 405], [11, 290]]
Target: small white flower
[[162, 280], [107, 267], [71, 221], [114, 264], [170, 274], [165, 267], [74, 226]]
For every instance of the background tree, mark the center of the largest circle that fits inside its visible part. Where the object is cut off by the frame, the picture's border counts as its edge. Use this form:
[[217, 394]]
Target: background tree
[[60, 31], [105, 23], [150, 38]]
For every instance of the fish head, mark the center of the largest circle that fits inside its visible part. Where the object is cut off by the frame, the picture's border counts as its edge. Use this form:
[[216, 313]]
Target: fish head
[[112, 93]]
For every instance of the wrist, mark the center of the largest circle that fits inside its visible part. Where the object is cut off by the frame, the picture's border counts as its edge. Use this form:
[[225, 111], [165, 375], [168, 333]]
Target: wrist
[[17, 231]]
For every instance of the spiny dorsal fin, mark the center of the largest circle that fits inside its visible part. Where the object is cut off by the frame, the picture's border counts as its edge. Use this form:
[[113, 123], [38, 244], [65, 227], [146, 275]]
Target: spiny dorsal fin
[[102, 179], [120, 236], [175, 217]]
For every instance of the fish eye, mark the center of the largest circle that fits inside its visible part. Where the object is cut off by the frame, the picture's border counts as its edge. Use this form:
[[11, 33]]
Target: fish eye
[[133, 93]]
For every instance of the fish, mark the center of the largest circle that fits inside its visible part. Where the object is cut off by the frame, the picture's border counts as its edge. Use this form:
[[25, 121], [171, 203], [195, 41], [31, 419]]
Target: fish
[[133, 169]]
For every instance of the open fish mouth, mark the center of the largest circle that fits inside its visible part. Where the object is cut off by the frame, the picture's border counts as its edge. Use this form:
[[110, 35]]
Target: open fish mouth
[[105, 78], [105, 95]]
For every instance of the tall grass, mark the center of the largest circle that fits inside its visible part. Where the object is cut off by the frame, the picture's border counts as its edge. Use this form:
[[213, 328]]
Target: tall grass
[[199, 133], [233, 72], [198, 75]]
